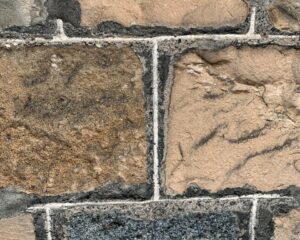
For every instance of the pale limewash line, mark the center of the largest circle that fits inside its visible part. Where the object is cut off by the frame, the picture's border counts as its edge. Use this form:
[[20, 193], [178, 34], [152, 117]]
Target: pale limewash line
[[155, 122], [48, 223], [251, 31], [253, 219], [103, 203], [61, 38]]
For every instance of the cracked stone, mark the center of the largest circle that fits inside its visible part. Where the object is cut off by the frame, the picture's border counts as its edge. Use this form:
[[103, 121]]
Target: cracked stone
[[19, 227], [21, 13], [285, 15], [170, 13], [72, 119], [234, 120]]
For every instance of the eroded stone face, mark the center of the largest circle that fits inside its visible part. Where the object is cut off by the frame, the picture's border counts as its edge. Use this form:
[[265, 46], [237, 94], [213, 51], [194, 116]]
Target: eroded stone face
[[178, 13], [21, 12], [19, 227], [288, 226], [234, 120], [285, 15], [71, 118]]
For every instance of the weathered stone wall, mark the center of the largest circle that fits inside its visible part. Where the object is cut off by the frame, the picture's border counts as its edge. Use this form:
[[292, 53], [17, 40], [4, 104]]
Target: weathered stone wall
[[149, 119]]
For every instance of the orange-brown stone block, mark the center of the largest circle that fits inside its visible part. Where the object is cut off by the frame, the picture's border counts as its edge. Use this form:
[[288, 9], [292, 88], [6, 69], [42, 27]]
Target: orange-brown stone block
[[72, 118]]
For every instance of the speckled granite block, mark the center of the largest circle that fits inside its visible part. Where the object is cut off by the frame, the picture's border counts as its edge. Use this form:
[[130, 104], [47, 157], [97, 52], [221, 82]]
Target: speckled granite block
[[189, 219]]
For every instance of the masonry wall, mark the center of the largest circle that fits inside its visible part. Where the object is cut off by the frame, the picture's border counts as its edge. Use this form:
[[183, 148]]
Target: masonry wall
[[137, 119]]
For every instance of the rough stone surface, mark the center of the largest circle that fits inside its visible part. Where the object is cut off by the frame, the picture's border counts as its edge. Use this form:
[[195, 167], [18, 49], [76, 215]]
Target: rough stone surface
[[285, 15], [188, 219], [21, 12], [71, 118], [17, 228], [277, 219], [188, 13], [288, 226], [233, 120]]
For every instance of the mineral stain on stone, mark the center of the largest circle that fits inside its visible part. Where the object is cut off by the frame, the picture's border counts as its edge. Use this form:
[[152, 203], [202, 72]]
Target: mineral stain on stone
[[72, 118]]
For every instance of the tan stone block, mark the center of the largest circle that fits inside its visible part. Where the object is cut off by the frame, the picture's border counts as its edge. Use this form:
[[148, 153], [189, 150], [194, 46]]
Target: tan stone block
[[17, 228], [71, 118], [285, 15], [287, 227], [234, 120], [171, 13]]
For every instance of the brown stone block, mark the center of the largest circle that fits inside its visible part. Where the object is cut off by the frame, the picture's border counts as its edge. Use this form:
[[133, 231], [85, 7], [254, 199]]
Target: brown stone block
[[72, 118], [17, 228], [233, 120], [170, 13]]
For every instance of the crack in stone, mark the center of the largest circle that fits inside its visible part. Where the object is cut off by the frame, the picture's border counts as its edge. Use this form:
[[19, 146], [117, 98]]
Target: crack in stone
[[246, 136], [208, 137], [287, 143]]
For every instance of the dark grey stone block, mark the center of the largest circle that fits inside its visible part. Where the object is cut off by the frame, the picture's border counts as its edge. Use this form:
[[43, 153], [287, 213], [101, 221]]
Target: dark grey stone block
[[188, 219]]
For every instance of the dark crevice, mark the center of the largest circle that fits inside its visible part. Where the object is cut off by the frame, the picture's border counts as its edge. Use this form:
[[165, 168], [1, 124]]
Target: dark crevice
[[207, 138], [246, 136], [287, 143]]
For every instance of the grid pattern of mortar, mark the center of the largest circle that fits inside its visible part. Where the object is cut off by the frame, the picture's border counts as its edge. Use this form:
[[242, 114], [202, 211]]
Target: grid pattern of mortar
[[61, 38]]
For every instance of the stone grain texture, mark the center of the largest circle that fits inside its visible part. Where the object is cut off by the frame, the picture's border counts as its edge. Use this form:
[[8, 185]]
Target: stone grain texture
[[277, 219], [188, 13], [17, 228], [285, 15], [233, 120], [190, 219], [72, 118], [21, 13]]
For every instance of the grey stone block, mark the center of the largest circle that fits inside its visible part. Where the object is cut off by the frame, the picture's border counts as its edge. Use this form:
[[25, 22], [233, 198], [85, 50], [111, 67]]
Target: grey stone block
[[188, 219]]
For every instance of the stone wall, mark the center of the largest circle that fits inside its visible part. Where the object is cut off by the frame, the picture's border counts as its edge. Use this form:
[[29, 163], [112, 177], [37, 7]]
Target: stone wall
[[149, 119]]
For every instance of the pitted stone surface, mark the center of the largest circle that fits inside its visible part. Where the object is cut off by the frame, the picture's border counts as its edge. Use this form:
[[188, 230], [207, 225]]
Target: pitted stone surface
[[285, 15], [170, 13], [71, 118], [188, 219], [234, 120], [21, 12], [19, 227]]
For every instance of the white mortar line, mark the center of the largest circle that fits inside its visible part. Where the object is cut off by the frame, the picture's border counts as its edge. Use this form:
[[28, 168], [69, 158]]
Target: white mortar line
[[48, 223], [253, 219], [155, 122], [251, 31], [60, 32], [246, 197], [74, 40]]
